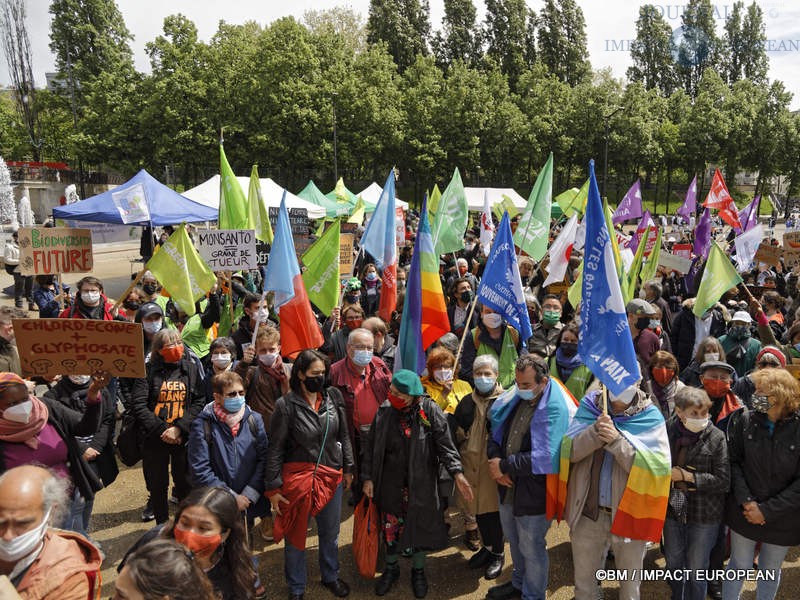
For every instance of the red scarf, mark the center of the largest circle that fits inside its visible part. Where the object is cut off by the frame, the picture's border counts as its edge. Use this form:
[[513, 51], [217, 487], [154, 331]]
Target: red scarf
[[232, 420], [308, 490], [26, 433], [276, 370]]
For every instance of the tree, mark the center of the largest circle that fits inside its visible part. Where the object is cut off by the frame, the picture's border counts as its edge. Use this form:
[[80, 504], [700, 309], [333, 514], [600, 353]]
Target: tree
[[505, 34], [698, 46], [459, 38], [89, 37], [339, 22], [562, 40], [651, 52], [403, 24], [8, 210], [745, 53], [17, 47]]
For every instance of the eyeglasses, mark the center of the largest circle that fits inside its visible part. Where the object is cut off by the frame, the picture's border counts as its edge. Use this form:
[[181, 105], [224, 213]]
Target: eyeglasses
[[767, 363]]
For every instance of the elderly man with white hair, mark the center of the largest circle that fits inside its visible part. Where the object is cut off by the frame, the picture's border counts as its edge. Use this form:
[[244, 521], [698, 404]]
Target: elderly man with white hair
[[41, 562]]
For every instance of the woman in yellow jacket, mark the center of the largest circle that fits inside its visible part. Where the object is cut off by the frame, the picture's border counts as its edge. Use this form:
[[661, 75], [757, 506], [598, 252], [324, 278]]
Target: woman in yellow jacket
[[440, 383]]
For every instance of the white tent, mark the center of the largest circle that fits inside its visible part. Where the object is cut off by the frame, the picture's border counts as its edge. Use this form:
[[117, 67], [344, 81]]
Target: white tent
[[208, 193], [372, 193], [475, 197]]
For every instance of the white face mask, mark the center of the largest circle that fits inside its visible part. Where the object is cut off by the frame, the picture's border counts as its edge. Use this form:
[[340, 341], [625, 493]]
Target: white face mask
[[14, 550], [19, 413], [268, 359], [711, 356], [492, 320], [443, 375], [221, 360], [695, 425], [80, 379], [152, 327], [261, 315], [90, 298]]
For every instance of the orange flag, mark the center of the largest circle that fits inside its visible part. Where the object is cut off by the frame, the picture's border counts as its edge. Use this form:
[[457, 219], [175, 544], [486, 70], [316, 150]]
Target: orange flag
[[719, 198]]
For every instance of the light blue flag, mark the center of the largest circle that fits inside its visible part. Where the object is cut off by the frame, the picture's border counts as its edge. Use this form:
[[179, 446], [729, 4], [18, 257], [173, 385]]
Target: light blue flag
[[501, 286], [605, 341], [282, 267], [379, 236]]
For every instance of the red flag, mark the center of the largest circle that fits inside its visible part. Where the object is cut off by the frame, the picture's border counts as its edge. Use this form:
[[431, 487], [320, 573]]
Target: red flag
[[299, 328], [719, 198]]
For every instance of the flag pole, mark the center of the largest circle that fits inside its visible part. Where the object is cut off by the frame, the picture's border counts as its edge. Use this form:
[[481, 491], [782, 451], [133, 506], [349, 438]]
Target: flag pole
[[133, 284], [466, 328], [605, 399]]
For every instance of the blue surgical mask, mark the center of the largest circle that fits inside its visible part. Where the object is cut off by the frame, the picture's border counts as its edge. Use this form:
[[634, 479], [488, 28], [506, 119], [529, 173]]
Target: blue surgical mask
[[362, 357], [233, 404], [525, 394], [372, 276], [797, 347], [485, 384]]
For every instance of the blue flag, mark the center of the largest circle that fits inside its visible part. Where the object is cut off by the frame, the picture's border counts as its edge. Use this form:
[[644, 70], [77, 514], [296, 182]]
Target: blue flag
[[282, 267], [605, 341], [501, 286], [379, 236]]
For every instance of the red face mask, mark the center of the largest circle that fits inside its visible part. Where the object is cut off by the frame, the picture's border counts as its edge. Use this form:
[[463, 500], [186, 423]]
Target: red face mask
[[397, 402], [172, 355], [200, 545], [716, 388], [354, 324], [462, 270], [662, 375]]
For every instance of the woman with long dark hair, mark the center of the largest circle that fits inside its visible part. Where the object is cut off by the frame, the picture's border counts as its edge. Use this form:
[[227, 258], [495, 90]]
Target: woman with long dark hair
[[308, 458]]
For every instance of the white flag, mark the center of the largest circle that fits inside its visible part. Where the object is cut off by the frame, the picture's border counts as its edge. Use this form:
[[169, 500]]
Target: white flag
[[560, 251], [487, 225], [746, 247]]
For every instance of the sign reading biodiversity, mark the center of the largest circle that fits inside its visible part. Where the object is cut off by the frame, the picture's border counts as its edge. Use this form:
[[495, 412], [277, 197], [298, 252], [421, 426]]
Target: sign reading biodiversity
[[54, 250], [228, 249], [49, 347]]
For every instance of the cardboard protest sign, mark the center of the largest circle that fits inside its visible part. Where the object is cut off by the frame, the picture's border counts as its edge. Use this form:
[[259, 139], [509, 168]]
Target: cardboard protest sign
[[49, 347], [298, 221], [791, 248], [650, 243], [345, 253], [54, 250], [674, 262], [767, 253], [228, 249]]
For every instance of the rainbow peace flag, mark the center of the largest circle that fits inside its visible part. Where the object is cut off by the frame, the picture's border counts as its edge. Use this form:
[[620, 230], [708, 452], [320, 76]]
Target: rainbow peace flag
[[549, 424], [424, 310], [643, 506]]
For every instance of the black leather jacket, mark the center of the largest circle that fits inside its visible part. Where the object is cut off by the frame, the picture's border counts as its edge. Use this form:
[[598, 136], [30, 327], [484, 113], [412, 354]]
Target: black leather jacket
[[297, 433]]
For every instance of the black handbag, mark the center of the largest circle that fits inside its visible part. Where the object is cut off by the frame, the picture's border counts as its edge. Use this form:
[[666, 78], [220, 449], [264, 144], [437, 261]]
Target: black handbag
[[129, 440]]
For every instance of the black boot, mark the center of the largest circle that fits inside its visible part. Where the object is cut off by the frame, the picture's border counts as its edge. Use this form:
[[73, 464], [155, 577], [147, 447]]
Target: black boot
[[480, 559], [419, 583], [391, 573], [495, 566]]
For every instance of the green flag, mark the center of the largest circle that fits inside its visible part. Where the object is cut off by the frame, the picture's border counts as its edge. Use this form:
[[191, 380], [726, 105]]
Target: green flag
[[181, 271], [575, 290], [433, 200], [574, 200], [259, 218], [649, 268], [450, 223], [534, 225], [636, 268], [718, 277], [233, 213], [321, 276], [357, 216]]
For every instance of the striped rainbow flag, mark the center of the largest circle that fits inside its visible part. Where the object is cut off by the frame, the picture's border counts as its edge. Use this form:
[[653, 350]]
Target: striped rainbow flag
[[643, 506], [549, 424], [424, 311]]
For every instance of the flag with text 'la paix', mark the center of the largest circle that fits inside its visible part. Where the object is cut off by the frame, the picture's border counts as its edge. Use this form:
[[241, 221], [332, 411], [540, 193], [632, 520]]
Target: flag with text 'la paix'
[[179, 268], [605, 341]]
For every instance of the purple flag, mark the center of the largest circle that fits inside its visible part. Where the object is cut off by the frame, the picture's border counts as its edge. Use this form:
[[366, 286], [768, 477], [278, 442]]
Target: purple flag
[[702, 235], [631, 205], [646, 222], [748, 216], [697, 263], [689, 206]]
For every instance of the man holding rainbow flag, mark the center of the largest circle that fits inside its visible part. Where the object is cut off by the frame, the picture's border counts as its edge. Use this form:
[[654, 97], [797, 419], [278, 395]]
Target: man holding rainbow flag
[[614, 478]]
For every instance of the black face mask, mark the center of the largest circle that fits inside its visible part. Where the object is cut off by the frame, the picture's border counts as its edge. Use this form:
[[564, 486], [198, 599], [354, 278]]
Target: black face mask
[[130, 305], [314, 384], [569, 348], [466, 296], [642, 323], [149, 288], [525, 280]]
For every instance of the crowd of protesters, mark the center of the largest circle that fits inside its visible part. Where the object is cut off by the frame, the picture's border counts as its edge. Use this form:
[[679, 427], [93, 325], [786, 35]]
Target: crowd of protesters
[[257, 441]]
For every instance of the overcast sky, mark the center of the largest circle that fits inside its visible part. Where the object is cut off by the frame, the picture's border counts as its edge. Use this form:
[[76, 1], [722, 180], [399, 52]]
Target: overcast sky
[[610, 26]]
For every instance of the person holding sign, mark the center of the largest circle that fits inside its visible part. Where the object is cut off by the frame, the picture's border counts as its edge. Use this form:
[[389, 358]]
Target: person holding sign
[[42, 432], [165, 403], [91, 303]]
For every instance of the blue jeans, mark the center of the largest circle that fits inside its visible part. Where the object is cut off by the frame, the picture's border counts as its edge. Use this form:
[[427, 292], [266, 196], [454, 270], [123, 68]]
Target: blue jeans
[[688, 547], [525, 535], [80, 511], [328, 521], [770, 559]]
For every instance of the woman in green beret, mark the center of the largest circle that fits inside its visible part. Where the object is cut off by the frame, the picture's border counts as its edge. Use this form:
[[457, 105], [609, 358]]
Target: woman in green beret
[[410, 429]]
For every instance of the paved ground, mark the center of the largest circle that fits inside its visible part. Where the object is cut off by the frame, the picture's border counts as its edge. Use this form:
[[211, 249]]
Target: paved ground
[[116, 523]]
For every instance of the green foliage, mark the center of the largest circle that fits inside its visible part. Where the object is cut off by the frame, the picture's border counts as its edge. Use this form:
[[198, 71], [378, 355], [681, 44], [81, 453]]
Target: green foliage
[[745, 53], [699, 49], [562, 40], [505, 36], [651, 52], [404, 26], [459, 38]]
